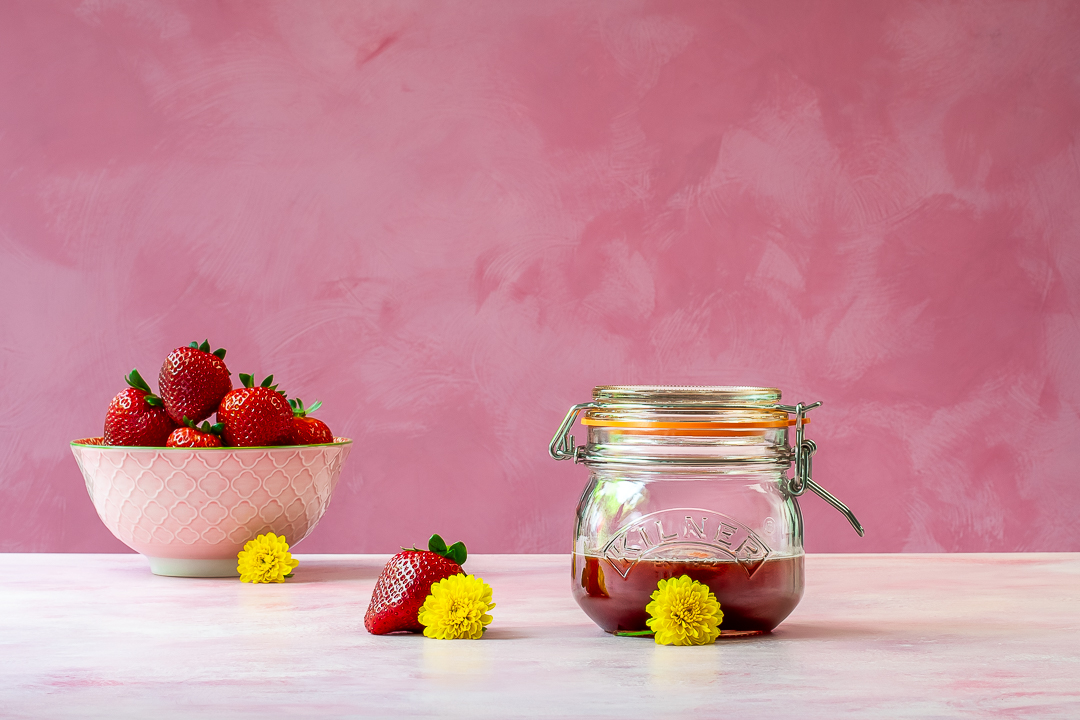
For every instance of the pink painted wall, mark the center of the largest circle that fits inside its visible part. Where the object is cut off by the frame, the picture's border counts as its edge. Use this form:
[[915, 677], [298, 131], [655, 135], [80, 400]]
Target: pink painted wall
[[450, 220]]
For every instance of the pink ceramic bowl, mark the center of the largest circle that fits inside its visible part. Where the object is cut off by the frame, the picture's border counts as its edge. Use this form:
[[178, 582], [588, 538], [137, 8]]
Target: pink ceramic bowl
[[191, 510]]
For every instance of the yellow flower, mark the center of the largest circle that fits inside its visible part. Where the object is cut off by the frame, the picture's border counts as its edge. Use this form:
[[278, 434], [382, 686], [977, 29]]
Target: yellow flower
[[265, 559], [457, 608], [684, 612]]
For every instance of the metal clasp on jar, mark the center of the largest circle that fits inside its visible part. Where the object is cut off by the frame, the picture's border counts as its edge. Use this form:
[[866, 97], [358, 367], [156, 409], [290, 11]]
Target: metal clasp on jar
[[803, 450], [563, 446]]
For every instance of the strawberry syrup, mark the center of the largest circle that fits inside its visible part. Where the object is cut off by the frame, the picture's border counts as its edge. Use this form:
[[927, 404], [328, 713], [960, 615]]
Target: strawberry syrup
[[751, 604]]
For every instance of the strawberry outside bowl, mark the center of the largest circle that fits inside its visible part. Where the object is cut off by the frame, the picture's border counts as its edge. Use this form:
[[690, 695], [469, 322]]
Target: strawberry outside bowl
[[191, 510]]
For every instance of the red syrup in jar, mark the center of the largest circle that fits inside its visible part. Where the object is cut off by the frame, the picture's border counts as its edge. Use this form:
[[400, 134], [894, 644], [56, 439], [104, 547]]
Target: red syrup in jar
[[751, 603]]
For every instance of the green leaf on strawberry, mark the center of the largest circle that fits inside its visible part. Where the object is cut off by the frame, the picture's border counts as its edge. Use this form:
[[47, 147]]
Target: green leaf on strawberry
[[135, 380], [205, 347], [299, 410], [455, 552], [206, 427], [437, 545], [249, 382]]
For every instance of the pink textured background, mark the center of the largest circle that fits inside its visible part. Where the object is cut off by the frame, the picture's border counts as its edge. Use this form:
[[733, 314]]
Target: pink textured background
[[448, 221]]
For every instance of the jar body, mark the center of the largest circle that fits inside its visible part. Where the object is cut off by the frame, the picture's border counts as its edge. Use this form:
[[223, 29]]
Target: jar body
[[730, 527]]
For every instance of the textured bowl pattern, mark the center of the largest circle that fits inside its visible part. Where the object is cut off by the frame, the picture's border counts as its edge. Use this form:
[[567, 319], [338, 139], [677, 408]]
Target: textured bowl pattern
[[207, 503]]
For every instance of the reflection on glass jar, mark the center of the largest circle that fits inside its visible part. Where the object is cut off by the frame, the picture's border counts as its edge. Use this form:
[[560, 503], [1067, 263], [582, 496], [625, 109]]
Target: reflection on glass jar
[[690, 481]]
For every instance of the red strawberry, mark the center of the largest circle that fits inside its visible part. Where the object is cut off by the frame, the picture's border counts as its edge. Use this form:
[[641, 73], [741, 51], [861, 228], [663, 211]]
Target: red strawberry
[[308, 430], [406, 582], [192, 382], [136, 416], [255, 416], [190, 436]]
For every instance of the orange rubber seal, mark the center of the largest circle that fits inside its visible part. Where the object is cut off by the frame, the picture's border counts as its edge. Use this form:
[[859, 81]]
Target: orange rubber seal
[[647, 425]]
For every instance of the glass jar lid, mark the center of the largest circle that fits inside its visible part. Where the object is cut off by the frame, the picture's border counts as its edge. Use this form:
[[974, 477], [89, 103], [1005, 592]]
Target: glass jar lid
[[685, 395], [709, 410]]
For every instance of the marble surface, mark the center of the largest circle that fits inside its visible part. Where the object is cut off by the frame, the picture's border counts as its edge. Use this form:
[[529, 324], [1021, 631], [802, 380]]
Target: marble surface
[[889, 636]]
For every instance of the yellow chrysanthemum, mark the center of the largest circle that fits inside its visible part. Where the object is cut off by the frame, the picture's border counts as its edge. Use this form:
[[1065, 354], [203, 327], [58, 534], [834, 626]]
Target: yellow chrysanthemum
[[265, 559], [684, 612], [457, 608]]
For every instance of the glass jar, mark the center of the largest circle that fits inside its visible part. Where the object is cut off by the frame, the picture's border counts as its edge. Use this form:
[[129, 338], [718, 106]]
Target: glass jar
[[690, 481]]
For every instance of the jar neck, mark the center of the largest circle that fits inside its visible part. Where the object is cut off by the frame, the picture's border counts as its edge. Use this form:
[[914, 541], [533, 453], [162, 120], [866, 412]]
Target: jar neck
[[719, 448], [755, 472]]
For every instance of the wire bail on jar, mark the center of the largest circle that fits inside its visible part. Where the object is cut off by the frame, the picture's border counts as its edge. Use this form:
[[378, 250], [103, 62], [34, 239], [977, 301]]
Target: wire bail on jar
[[803, 451], [564, 446]]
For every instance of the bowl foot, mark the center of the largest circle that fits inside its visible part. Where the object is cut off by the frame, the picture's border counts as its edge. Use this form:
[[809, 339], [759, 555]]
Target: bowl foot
[[176, 567]]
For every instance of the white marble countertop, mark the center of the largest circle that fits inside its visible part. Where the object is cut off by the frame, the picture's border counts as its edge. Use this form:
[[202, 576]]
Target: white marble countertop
[[876, 636]]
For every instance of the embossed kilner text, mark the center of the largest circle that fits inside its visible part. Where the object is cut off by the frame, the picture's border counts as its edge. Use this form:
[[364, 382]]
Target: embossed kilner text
[[656, 534]]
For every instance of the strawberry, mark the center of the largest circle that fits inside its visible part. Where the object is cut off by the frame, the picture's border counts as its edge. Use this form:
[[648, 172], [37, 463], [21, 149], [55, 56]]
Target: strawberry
[[308, 430], [190, 436], [136, 416], [406, 582], [192, 382], [255, 416]]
